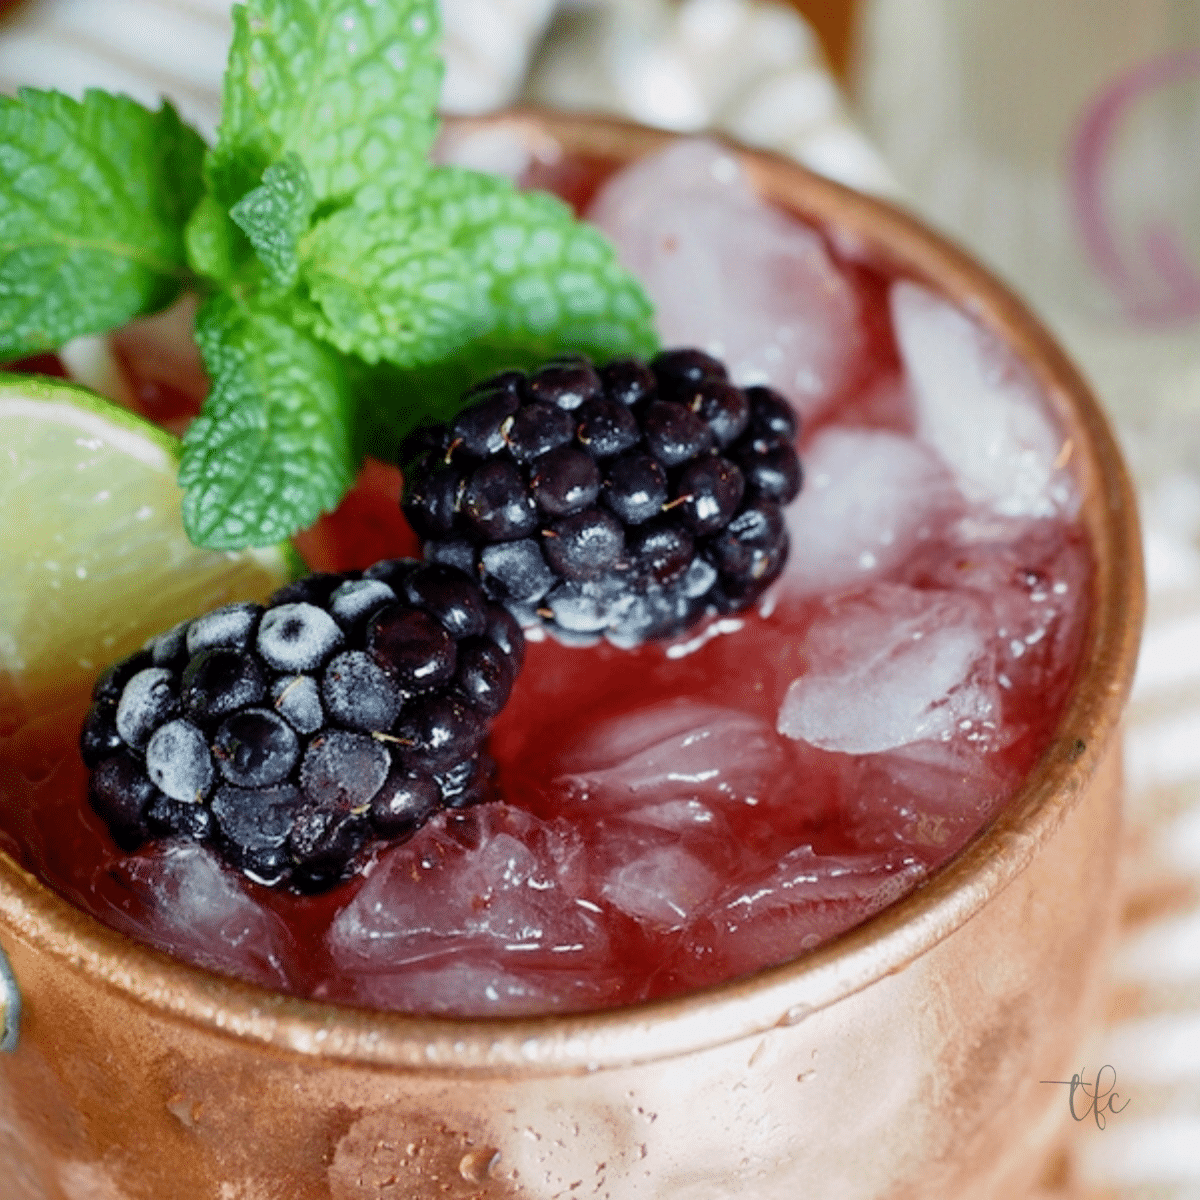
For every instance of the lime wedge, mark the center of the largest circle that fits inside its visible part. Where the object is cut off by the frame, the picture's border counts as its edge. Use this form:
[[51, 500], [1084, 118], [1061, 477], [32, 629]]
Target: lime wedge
[[93, 556]]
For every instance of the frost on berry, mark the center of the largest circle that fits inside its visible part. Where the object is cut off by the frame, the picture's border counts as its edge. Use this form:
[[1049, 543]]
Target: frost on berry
[[297, 637], [296, 739]]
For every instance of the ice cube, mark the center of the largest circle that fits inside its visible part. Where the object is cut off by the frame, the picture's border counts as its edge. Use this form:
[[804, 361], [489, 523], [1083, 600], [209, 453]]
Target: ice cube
[[679, 750], [978, 407], [657, 791], [803, 901], [180, 899], [664, 886], [929, 797], [891, 666], [492, 895], [869, 497], [1034, 577], [476, 985], [731, 274], [485, 877], [678, 816]]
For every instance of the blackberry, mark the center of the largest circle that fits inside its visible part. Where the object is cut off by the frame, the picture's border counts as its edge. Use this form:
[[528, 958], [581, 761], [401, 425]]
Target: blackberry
[[294, 736], [625, 502]]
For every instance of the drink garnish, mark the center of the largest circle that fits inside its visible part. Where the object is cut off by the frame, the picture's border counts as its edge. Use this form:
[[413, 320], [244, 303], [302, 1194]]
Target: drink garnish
[[297, 738], [626, 502], [94, 196], [96, 558], [351, 288], [293, 736]]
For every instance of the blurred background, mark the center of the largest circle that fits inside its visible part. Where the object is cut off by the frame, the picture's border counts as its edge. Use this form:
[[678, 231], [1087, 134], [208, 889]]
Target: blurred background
[[1060, 141]]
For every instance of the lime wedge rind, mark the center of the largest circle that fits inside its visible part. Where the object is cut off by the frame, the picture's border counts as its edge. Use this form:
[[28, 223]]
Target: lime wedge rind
[[94, 552]]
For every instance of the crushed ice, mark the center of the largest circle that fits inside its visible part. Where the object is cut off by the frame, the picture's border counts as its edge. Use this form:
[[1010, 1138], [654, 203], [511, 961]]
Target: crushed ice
[[731, 274], [180, 899], [891, 666], [977, 406], [681, 750], [869, 497]]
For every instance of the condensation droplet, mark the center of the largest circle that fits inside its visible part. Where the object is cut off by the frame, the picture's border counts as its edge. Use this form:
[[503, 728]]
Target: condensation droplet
[[477, 1166], [795, 1014]]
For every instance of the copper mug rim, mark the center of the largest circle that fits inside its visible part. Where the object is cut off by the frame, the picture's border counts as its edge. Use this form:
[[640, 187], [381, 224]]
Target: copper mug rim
[[779, 995]]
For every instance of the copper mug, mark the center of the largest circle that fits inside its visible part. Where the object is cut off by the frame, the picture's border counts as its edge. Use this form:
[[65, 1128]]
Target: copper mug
[[903, 1059]]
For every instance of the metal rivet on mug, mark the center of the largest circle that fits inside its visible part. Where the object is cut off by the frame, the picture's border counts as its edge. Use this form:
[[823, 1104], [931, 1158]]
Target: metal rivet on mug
[[10, 1005]]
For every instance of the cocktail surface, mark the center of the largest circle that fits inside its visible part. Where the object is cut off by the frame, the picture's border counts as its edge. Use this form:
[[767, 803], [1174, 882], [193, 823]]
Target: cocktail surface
[[687, 811]]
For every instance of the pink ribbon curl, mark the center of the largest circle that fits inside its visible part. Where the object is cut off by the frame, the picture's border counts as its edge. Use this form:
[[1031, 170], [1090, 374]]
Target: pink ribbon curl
[[1170, 292]]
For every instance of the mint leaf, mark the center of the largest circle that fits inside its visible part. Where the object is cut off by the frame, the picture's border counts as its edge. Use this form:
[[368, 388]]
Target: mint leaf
[[275, 214], [543, 284], [551, 282], [272, 448], [470, 259], [216, 247], [548, 283], [390, 286], [350, 88], [94, 197]]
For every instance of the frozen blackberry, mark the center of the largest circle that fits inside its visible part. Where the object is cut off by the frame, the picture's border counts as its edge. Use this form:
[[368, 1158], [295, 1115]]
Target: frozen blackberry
[[625, 502], [292, 737]]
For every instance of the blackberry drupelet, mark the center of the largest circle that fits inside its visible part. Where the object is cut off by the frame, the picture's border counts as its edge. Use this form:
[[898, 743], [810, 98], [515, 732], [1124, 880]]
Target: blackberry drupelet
[[293, 736], [626, 502]]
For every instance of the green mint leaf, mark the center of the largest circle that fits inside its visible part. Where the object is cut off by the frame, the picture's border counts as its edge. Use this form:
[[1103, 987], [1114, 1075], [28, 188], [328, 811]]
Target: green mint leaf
[[350, 88], [547, 284], [94, 196], [272, 448], [552, 283], [275, 214], [216, 247], [470, 267], [390, 286]]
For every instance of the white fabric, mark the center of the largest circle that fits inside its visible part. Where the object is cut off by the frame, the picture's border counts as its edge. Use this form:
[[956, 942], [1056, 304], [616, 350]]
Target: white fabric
[[750, 68], [177, 48]]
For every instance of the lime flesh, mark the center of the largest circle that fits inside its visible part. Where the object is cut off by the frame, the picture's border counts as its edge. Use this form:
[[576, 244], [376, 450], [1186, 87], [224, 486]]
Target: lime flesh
[[93, 556]]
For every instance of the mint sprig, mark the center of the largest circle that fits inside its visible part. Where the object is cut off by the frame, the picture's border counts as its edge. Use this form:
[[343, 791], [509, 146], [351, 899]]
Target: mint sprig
[[93, 199], [354, 288], [550, 282]]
